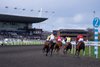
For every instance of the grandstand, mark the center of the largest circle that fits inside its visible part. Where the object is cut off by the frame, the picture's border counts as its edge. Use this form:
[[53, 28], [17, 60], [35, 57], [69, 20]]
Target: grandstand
[[71, 33], [12, 26]]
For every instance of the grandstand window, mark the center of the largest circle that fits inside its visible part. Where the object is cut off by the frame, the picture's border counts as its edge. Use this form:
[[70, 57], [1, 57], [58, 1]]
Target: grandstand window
[[12, 23], [73, 32]]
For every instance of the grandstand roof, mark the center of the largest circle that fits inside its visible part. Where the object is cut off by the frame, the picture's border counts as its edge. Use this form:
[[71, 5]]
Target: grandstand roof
[[20, 19], [73, 30]]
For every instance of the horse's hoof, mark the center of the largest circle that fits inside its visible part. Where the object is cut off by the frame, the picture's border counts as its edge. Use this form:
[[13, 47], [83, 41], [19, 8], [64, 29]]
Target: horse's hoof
[[46, 54]]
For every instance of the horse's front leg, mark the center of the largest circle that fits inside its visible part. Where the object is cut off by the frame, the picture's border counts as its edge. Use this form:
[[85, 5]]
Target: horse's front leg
[[76, 52], [47, 50], [51, 51], [57, 51], [44, 49], [79, 52], [70, 50], [64, 49]]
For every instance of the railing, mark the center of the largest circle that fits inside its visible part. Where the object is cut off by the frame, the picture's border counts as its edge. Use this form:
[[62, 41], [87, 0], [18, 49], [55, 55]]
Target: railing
[[88, 43], [22, 42], [38, 42]]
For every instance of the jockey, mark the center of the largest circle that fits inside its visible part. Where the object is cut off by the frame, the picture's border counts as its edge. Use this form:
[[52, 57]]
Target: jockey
[[59, 39], [79, 38], [68, 39], [52, 37], [63, 41]]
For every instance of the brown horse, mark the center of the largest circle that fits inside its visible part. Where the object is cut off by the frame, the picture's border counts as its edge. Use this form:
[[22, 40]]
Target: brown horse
[[80, 46], [46, 47], [57, 46], [67, 47]]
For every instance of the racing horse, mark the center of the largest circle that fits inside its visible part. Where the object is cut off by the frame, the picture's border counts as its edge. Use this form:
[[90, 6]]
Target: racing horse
[[67, 47], [57, 46], [80, 46], [52, 44], [48, 47]]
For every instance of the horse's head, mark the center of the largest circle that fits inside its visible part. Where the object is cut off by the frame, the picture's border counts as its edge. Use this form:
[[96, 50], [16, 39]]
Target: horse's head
[[46, 43]]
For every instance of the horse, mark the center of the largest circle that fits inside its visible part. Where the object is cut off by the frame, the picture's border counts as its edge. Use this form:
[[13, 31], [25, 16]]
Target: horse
[[57, 46], [52, 45], [67, 47], [48, 47], [80, 46]]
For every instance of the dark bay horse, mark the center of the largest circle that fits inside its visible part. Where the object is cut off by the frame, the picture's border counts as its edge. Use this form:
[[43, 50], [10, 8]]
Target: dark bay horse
[[67, 47], [80, 46], [48, 47], [52, 44]]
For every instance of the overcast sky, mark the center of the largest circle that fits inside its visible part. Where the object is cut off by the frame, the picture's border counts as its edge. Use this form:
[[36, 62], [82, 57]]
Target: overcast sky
[[62, 14]]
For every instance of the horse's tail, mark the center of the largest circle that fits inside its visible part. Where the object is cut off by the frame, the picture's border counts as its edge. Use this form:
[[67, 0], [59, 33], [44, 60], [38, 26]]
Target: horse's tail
[[78, 45], [83, 45], [69, 45]]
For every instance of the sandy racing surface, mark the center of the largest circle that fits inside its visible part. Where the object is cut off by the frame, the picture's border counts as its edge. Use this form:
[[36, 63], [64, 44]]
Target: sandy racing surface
[[32, 56]]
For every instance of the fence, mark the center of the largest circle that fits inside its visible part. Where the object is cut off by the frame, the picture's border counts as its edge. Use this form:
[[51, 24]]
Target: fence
[[89, 51], [89, 45], [21, 42]]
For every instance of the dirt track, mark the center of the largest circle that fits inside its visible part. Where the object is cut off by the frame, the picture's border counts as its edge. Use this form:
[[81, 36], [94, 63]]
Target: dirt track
[[32, 56]]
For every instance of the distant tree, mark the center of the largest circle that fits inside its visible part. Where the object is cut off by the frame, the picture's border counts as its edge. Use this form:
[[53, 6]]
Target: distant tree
[[90, 34]]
